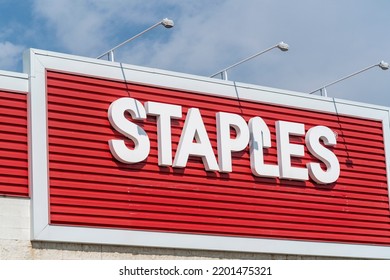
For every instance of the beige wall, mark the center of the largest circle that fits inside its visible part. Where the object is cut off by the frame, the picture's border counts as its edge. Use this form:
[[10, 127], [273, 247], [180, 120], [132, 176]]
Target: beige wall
[[15, 243]]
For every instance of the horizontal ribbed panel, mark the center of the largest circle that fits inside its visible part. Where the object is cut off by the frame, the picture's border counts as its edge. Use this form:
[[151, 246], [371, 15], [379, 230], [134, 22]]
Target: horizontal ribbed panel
[[13, 144], [88, 187]]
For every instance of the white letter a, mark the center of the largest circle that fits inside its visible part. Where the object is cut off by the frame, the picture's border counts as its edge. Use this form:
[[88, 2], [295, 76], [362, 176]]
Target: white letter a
[[194, 129]]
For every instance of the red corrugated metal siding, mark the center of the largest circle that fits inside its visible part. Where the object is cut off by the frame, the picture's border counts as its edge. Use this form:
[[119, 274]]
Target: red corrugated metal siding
[[90, 188], [13, 144]]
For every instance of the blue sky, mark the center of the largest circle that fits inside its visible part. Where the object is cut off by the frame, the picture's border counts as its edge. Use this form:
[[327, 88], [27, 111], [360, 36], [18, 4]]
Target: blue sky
[[328, 39]]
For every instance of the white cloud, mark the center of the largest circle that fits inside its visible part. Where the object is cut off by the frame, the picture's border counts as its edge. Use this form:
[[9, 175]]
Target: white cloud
[[76, 24], [88, 27], [10, 55], [328, 39]]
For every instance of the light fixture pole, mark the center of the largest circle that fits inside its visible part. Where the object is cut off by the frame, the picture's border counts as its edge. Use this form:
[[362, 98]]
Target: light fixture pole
[[383, 65], [281, 46], [167, 23]]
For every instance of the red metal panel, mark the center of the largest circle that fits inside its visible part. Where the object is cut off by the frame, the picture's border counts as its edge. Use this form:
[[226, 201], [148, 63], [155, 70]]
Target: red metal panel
[[88, 187], [13, 144]]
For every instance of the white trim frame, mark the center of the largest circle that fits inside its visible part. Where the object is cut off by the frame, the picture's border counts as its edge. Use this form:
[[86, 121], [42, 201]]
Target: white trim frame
[[37, 61], [14, 82]]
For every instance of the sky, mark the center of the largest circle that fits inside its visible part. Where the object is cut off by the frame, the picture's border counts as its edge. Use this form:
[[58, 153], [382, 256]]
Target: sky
[[328, 39]]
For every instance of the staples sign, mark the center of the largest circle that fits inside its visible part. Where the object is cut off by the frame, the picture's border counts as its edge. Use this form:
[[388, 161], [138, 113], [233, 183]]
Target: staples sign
[[194, 141]]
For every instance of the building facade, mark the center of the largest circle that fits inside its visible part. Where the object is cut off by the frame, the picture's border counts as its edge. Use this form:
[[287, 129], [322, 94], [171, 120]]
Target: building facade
[[103, 160]]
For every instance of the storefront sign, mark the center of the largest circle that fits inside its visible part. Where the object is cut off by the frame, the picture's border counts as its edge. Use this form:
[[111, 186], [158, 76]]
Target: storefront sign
[[127, 155]]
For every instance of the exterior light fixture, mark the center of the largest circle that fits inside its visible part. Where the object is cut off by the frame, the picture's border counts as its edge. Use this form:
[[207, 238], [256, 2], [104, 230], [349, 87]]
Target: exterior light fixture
[[281, 46], [383, 65], [167, 23]]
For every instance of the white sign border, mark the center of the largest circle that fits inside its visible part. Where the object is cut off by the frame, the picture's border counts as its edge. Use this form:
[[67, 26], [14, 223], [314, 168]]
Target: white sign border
[[36, 62], [14, 82]]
